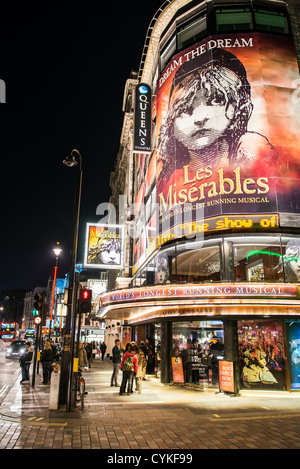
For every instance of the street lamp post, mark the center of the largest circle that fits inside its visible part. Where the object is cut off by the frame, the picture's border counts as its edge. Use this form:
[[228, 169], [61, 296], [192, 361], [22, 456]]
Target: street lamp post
[[66, 365], [57, 252]]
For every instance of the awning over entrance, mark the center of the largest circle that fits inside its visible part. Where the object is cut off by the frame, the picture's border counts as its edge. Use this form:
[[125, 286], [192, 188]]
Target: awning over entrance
[[148, 304]]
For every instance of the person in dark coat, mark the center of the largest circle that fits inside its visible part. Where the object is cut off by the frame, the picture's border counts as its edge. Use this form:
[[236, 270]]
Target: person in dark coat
[[25, 361], [116, 359], [103, 349], [46, 360]]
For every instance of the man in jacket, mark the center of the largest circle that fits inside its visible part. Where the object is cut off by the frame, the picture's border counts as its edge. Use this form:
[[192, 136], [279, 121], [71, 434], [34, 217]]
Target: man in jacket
[[116, 359], [25, 361], [103, 350]]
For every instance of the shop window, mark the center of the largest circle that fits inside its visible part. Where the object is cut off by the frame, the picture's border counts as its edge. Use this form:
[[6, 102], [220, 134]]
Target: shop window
[[197, 347], [273, 21], [191, 32], [198, 265], [234, 19], [261, 354], [293, 346], [258, 259]]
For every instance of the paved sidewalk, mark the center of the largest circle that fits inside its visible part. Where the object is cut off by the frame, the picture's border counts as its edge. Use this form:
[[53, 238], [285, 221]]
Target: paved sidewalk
[[163, 417]]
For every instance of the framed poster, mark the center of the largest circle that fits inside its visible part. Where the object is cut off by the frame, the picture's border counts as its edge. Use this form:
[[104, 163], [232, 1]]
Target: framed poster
[[104, 246]]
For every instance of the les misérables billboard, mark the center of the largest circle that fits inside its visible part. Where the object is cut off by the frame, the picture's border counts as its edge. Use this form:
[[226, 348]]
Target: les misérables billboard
[[228, 132], [104, 246]]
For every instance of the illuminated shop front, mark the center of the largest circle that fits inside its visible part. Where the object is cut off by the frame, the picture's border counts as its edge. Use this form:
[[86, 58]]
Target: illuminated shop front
[[216, 252], [253, 324]]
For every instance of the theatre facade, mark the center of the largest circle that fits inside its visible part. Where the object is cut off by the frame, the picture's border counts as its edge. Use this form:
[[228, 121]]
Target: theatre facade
[[212, 256]]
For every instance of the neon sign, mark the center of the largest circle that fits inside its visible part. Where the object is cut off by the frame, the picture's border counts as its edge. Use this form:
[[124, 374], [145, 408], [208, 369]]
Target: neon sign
[[269, 253]]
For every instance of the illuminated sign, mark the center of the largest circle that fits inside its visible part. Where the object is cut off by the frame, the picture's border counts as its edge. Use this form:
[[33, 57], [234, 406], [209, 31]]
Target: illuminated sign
[[7, 326], [37, 320], [224, 143], [247, 290], [104, 246], [228, 222], [142, 119]]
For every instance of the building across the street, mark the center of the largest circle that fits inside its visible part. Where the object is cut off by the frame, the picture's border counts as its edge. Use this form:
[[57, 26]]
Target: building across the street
[[209, 174]]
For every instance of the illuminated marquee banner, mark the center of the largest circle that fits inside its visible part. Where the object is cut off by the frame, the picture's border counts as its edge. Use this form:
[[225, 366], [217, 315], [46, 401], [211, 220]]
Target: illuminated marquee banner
[[230, 222], [228, 128], [194, 292], [104, 246], [142, 119]]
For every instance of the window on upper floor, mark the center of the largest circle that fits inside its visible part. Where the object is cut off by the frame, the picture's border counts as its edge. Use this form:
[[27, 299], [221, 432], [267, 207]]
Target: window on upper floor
[[191, 31], [271, 20], [167, 52], [234, 19]]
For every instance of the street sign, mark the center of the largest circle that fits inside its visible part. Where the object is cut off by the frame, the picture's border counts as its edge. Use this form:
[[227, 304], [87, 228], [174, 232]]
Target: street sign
[[37, 320]]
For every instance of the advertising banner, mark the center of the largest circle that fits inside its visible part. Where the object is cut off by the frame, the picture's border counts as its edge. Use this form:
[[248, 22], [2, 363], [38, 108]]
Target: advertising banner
[[226, 376], [293, 348], [177, 370], [228, 130], [103, 248]]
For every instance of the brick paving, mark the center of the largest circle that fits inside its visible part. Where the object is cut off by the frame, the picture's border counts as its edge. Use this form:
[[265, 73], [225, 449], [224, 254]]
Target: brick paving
[[163, 417]]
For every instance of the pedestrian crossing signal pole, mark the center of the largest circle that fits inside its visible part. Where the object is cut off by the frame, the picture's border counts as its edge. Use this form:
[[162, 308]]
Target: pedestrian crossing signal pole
[[38, 314]]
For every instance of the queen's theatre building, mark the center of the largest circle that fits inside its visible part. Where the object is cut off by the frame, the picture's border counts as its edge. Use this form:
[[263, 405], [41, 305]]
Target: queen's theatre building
[[209, 165]]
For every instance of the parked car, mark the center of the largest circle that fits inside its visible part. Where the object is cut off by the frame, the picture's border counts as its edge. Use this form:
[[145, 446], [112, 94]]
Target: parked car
[[15, 349]]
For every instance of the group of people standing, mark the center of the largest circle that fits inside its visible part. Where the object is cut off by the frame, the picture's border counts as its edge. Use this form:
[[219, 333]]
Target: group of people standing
[[134, 362], [47, 357]]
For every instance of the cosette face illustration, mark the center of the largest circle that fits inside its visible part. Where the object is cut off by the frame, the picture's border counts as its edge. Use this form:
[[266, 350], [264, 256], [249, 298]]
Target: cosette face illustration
[[205, 120]]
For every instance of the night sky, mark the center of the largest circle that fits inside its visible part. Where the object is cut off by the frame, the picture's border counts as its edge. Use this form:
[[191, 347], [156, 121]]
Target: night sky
[[65, 65]]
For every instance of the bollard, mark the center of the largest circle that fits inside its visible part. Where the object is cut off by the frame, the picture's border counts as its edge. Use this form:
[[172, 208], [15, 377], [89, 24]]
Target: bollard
[[54, 388]]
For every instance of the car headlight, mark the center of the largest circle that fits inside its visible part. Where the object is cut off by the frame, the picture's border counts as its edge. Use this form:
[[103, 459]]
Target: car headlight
[[9, 349]]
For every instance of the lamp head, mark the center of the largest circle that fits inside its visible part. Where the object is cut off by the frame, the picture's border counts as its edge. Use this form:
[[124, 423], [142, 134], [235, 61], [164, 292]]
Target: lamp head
[[57, 250], [70, 161]]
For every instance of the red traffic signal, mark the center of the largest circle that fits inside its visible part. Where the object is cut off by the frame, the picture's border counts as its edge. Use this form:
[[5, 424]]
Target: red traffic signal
[[85, 301], [85, 294]]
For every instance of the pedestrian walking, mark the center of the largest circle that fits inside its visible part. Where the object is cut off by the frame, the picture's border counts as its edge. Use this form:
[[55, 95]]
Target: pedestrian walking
[[144, 366], [82, 356], [151, 357], [46, 360], [94, 350], [129, 366], [88, 349], [103, 349], [116, 359], [25, 361], [142, 363]]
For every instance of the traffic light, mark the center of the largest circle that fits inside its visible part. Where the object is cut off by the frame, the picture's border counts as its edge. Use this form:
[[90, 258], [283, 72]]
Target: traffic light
[[85, 301], [38, 304]]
